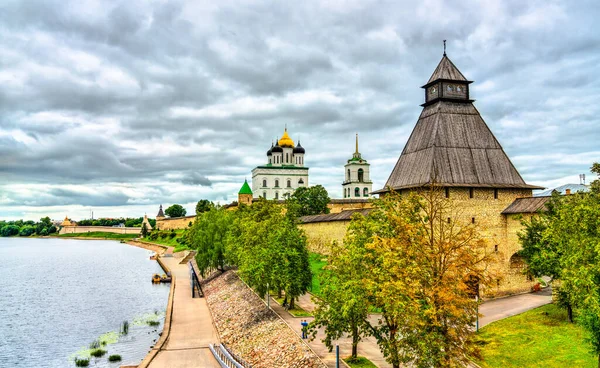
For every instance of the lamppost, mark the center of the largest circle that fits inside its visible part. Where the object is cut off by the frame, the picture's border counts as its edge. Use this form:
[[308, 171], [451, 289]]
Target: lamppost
[[477, 313]]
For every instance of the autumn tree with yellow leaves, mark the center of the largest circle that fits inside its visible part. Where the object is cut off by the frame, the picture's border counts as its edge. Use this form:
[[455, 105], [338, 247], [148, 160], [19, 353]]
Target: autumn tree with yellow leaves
[[419, 264]]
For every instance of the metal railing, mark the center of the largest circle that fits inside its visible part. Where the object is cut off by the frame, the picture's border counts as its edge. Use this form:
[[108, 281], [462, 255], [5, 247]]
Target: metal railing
[[227, 359], [195, 282]]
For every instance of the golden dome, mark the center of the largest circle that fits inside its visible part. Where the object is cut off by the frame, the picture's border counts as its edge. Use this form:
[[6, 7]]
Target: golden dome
[[285, 140]]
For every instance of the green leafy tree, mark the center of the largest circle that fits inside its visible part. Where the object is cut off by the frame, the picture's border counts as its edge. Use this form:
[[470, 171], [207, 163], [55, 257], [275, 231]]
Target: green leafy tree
[[175, 210], [52, 229], [144, 230], [209, 235], [343, 307], [308, 201], [570, 239], [204, 205], [27, 230], [46, 221], [9, 230], [269, 250]]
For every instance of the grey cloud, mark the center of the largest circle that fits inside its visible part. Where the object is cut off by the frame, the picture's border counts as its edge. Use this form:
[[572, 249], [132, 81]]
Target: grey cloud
[[123, 68], [196, 179]]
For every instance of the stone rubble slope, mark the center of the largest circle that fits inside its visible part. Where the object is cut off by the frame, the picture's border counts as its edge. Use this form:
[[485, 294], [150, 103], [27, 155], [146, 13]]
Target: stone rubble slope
[[254, 333]]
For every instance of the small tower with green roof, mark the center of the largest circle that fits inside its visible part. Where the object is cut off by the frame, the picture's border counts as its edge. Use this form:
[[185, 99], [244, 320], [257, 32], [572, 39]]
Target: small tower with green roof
[[245, 194]]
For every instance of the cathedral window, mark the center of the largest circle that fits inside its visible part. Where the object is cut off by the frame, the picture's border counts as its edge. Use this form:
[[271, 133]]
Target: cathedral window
[[289, 183], [265, 195], [360, 175], [276, 183], [300, 181], [276, 195], [365, 192], [287, 158], [264, 183], [357, 192], [269, 160], [348, 177]]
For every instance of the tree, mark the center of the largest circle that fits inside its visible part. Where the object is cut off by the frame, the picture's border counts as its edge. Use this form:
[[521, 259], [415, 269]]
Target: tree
[[308, 201], [570, 239], [175, 210], [9, 230], [204, 205], [344, 306], [420, 267], [27, 230], [269, 250], [208, 235], [144, 230]]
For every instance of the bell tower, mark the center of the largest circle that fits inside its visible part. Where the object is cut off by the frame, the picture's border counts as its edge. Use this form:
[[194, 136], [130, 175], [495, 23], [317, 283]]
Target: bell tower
[[357, 183]]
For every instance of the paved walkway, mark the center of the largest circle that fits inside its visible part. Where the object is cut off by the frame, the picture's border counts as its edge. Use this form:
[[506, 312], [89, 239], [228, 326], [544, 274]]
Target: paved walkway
[[492, 310], [191, 326], [367, 347], [498, 309]]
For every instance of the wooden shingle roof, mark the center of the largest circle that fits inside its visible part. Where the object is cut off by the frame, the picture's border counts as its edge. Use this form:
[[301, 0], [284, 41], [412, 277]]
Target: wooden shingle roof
[[340, 216], [527, 205], [451, 145], [446, 70]]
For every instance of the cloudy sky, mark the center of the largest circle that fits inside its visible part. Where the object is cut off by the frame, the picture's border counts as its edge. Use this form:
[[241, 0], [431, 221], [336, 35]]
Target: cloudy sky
[[117, 107]]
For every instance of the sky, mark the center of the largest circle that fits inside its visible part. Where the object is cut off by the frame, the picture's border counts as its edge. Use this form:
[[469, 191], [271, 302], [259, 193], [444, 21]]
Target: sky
[[117, 107]]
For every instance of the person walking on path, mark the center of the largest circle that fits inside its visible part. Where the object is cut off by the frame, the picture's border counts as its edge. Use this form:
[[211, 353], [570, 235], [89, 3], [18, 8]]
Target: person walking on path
[[304, 327]]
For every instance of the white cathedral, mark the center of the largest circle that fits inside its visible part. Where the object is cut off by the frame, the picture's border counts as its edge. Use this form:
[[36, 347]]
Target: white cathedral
[[284, 172]]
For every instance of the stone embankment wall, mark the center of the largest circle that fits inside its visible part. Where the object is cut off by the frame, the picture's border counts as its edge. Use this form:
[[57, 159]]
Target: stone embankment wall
[[254, 333], [174, 223], [104, 229]]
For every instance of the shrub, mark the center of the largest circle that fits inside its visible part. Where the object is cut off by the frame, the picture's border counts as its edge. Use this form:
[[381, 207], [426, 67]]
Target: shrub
[[163, 234], [97, 353], [153, 323], [114, 358], [172, 234], [95, 344], [82, 362], [154, 235]]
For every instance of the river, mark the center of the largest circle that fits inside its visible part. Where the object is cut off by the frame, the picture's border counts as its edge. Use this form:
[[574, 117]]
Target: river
[[59, 295]]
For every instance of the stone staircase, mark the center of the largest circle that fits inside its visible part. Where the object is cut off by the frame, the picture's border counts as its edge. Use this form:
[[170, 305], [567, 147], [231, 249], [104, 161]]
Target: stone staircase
[[188, 257]]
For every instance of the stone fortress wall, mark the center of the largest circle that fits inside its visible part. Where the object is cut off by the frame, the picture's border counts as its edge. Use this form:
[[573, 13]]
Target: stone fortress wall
[[174, 223], [104, 229]]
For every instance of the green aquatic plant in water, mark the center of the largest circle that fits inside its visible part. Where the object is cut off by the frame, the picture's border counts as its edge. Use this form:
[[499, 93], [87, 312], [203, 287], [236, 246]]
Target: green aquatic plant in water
[[114, 358], [98, 353], [104, 340], [124, 328], [82, 362], [150, 319]]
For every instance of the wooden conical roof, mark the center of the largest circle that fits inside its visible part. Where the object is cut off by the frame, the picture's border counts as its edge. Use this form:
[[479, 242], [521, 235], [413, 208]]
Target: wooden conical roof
[[451, 145], [447, 70]]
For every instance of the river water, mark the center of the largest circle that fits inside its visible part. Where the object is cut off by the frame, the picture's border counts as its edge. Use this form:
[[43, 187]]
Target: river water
[[59, 295]]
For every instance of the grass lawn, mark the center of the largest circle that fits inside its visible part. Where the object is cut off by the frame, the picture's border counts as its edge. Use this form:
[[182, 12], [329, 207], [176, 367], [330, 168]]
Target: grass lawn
[[542, 337], [317, 263], [100, 234], [296, 312], [172, 242], [360, 362]]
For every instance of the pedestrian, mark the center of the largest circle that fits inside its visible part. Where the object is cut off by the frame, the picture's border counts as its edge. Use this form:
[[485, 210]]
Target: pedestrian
[[304, 328]]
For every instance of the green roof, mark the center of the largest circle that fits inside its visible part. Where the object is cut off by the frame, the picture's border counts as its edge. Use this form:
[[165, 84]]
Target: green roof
[[245, 188]]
